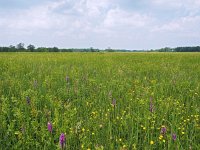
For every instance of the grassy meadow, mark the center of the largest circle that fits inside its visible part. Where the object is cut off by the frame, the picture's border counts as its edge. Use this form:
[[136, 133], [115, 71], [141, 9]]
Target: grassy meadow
[[100, 101]]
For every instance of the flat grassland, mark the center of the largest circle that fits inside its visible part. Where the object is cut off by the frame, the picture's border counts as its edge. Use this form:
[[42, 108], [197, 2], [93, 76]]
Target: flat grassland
[[100, 101]]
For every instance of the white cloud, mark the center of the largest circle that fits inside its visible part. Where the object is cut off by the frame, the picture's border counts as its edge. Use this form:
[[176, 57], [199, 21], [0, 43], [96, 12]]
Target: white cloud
[[33, 18], [88, 23], [95, 8], [190, 7], [120, 18], [167, 3], [169, 27], [183, 24]]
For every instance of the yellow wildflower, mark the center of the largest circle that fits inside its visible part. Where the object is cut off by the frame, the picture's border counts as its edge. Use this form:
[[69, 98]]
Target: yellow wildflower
[[160, 137], [163, 141], [151, 142]]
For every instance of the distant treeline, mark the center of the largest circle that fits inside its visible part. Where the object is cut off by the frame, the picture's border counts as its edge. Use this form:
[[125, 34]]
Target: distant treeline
[[31, 48], [180, 49]]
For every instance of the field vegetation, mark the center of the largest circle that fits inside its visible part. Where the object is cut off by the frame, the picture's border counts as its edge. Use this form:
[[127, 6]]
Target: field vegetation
[[111, 101]]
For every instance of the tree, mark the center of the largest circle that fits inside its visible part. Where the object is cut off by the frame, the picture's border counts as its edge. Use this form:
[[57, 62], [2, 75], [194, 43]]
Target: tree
[[12, 48], [31, 48], [54, 49], [20, 46]]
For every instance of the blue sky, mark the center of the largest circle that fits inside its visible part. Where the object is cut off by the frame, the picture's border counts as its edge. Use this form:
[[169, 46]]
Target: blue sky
[[121, 24]]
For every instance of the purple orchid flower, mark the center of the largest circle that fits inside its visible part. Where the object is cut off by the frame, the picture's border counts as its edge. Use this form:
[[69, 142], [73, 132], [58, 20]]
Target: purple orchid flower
[[62, 140], [49, 126]]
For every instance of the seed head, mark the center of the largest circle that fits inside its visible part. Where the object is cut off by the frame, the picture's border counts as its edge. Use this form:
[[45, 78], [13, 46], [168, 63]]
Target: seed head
[[110, 94], [35, 83], [28, 100], [151, 105], [67, 79], [114, 102]]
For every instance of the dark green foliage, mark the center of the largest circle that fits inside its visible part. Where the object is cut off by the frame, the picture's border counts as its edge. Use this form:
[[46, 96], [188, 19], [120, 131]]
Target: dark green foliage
[[31, 48]]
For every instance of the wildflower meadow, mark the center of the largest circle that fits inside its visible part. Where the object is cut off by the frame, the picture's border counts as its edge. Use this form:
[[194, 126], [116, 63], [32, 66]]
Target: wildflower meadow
[[100, 101]]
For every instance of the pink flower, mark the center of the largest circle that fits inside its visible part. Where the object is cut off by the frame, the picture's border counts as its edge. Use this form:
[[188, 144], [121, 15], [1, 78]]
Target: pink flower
[[62, 140], [174, 137], [163, 130], [49, 125]]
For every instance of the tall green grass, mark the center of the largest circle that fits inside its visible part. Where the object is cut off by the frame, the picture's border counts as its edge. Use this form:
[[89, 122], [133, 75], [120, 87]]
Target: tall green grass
[[75, 92]]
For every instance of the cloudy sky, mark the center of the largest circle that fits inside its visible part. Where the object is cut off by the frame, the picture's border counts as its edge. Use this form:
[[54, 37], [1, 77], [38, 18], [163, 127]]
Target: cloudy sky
[[127, 24]]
